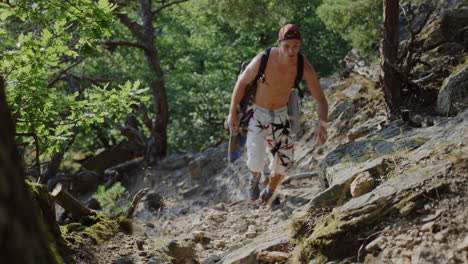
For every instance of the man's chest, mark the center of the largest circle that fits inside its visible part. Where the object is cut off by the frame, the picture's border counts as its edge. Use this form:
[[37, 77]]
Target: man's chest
[[280, 77]]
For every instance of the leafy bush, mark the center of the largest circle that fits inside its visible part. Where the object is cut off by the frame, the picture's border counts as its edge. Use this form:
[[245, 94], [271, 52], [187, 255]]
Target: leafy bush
[[357, 21], [111, 200]]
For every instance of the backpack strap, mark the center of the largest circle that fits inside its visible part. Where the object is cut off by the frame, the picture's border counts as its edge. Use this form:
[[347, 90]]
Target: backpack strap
[[251, 88], [263, 64], [300, 71]]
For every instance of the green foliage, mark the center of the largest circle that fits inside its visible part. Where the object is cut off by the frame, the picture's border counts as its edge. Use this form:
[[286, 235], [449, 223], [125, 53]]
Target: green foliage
[[209, 39], [111, 199], [42, 40], [64, 84], [357, 21]]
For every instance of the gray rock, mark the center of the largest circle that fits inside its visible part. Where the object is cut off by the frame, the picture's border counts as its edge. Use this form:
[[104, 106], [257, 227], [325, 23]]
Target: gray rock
[[340, 178], [195, 167], [464, 244], [345, 109], [363, 183], [376, 244], [417, 121], [140, 243], [426, 255], [123, 260], [449, 28], [175, 161], [182, 252], [373, 206], [278, 237], [453, 97], [154, 201]]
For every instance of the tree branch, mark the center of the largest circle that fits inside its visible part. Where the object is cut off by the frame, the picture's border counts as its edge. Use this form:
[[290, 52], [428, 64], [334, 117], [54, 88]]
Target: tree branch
[[124, 43], [134, 27], [86, 78], [56, 79], [167, 5]]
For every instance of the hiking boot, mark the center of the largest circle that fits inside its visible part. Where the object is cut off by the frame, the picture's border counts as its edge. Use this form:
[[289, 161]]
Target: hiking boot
[[254, 190], [266, 195]]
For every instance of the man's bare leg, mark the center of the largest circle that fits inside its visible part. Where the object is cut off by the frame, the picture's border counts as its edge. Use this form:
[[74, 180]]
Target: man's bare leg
[[275, 180]]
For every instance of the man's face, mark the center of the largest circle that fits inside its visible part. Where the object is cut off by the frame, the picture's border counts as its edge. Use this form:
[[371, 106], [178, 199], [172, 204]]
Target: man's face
[[290, 47]]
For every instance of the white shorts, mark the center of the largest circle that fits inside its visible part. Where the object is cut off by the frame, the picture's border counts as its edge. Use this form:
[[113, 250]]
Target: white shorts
[[270, 129]]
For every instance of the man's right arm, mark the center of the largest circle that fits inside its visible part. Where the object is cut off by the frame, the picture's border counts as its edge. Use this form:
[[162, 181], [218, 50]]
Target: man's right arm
[[247, 76]]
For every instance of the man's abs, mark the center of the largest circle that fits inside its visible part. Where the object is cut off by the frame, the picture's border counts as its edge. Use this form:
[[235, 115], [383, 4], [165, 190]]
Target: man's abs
[[271, 97]]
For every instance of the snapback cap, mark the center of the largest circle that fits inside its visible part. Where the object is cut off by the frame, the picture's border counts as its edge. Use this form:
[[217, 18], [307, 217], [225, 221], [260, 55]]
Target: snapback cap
[[289, 31]]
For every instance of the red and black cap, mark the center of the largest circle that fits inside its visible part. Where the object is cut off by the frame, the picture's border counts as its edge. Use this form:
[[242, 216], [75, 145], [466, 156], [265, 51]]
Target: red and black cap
[[289, 31]]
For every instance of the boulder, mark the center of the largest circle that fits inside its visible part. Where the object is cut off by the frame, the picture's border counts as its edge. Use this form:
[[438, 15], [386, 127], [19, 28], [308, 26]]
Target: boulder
[[450, 28], [362, 184], [276, 240], [154, 201], [331, 235], [182, 252], [453, 97]]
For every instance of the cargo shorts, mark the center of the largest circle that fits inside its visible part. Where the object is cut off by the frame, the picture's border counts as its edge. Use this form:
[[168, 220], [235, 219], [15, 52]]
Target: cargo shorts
[[269, 129]]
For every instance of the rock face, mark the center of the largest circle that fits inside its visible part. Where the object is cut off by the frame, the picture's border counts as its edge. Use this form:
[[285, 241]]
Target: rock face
[[449, 28], [453, 97], [363, 184]]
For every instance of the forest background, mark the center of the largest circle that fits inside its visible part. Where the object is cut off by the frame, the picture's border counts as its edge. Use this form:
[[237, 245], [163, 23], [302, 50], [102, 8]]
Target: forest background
[[82, 76]]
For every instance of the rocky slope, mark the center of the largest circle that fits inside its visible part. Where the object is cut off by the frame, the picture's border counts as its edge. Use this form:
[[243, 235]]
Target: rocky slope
[[377, 192]]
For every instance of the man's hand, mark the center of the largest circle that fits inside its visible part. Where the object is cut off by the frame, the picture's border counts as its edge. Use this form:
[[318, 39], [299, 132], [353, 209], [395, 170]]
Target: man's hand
[[320, 134], [232, 121]]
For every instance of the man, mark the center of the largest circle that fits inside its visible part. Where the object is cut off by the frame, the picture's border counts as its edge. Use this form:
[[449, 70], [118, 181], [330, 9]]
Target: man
[[269, 125]]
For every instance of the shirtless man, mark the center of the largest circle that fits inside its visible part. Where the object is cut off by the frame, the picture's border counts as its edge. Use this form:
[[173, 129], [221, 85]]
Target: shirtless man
[[269, 125]]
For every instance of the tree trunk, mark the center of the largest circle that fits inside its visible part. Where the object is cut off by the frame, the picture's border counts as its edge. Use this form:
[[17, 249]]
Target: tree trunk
[[391, 79], [156, 146], [23, 236]]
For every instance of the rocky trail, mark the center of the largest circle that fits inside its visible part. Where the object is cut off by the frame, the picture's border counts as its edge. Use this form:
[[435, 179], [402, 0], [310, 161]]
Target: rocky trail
[[396, 193], [378, 191]]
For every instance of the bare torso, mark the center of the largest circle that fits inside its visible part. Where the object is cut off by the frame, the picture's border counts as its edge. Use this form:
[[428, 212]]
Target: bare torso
[[279, 81]]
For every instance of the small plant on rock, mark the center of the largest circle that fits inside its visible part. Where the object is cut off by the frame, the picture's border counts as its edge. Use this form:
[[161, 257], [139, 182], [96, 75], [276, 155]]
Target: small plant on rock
[[112, 199]]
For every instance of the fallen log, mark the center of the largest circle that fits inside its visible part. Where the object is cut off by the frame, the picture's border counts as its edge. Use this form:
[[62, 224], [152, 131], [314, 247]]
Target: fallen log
[[70, 203], [114, 173]]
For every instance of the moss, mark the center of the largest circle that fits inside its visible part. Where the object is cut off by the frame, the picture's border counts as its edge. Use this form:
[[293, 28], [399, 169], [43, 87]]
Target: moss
[[440, 147], [45, 205], [74, 227], [125, 225], [89, 220], [91, 229], [328, 227], [309, 252], [420, 140], [391, 175], [55, 253]]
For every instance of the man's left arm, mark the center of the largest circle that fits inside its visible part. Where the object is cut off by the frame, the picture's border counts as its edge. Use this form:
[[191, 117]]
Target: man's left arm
[[310, 76]]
